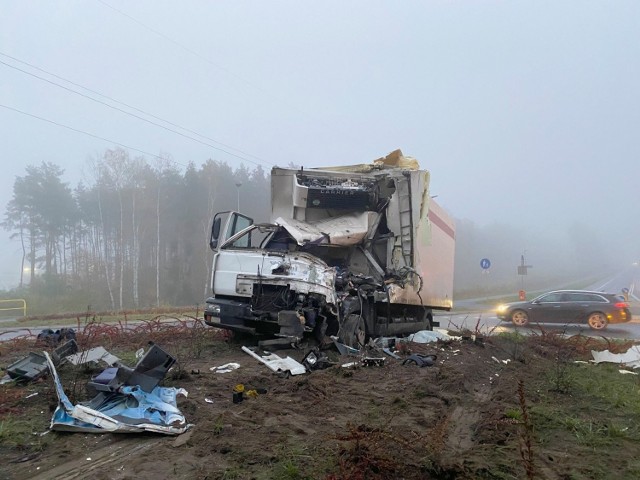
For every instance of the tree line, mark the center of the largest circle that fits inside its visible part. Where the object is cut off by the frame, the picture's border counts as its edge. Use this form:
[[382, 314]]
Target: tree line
[[134, 236]]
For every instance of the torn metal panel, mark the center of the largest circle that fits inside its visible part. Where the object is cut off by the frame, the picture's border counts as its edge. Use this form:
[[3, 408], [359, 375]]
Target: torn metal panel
[[344, 349], [28, 368], [343, 230], [129, 410], [151, 369], [147, 374], [278, 364], [93, 355], [68, 348]]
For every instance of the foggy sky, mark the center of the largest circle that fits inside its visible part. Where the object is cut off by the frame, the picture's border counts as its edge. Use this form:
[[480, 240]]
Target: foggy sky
[[526, 113]]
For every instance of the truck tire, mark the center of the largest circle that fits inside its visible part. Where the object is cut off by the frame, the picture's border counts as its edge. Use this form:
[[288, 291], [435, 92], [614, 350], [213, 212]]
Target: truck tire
[[353, 331]]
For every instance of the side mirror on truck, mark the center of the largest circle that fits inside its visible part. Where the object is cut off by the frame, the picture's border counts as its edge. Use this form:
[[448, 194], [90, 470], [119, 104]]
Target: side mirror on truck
[[215, 233]]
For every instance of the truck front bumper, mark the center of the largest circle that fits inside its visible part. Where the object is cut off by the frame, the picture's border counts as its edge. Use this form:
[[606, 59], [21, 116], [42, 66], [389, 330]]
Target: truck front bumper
[[228, 314]]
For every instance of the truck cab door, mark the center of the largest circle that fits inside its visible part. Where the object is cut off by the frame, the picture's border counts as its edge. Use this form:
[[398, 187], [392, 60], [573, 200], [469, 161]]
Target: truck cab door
[[225, 225]]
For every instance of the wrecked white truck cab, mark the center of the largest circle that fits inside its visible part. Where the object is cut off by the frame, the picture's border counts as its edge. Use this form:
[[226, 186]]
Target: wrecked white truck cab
[[353, 251]]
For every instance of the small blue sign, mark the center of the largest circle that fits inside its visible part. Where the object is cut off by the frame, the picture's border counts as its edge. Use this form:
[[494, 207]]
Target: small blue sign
[[485, 264]]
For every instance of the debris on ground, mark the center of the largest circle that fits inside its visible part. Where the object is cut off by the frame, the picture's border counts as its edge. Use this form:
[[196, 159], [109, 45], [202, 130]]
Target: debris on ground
[[373, 361], [226, 368], [29, 368], [53, 338], [344, 349], [66, 349], [631, 358], [420, 360], [278, 364], [455, 419], [93, 355], [126, 400], [316, 360], [429, 336]]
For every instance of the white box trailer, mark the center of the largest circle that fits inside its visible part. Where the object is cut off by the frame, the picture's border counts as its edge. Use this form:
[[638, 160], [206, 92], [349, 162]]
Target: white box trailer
[[354, 251]]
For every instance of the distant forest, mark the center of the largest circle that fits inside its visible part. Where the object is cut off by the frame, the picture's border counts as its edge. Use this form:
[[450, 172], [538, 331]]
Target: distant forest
[[136, 236]]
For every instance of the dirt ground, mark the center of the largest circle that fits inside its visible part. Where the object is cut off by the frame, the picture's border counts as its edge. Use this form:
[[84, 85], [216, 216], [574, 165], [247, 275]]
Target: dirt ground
[[466, 417]]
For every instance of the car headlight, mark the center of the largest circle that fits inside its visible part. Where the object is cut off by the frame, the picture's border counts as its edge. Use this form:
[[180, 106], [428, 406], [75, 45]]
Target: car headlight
[[501, 308]]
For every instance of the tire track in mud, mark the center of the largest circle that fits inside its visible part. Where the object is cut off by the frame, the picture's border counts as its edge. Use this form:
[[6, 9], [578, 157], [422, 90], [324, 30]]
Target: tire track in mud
[[463, 420], [102, 458]]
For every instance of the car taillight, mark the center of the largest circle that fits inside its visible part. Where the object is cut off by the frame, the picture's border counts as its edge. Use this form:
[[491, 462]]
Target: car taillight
[[621, 305]]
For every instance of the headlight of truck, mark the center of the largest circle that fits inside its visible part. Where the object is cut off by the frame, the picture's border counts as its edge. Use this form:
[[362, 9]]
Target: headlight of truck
[[213, 310]]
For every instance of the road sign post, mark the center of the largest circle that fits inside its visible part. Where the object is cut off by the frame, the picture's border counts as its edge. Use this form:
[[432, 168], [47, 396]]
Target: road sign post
[[522, 270]]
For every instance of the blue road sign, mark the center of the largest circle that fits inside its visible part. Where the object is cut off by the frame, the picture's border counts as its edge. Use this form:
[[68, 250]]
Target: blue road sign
[[485, 263]]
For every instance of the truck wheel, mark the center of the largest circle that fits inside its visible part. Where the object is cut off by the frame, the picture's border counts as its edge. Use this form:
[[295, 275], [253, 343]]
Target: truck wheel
[[353, 331]]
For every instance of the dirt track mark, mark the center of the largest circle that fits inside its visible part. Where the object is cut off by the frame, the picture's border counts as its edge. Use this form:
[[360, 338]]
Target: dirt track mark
[[463, 421], [119, 452]]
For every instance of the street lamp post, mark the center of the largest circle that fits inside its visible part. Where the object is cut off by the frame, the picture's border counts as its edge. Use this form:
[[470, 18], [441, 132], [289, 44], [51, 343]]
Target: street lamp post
[[238, 185]]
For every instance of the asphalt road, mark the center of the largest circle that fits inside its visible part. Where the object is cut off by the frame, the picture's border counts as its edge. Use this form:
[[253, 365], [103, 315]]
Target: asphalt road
[[629, 279], [486, 322]]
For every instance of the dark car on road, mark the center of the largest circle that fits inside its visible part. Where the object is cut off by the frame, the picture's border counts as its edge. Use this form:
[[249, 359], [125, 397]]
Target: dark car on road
[[597, 309]]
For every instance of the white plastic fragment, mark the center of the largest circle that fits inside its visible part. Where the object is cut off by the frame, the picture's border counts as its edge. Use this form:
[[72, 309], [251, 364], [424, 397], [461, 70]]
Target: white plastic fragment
[[501, 361], [429, 336], [208, 400], [631, 358], [628, 372], [226, 368], [278, 364]]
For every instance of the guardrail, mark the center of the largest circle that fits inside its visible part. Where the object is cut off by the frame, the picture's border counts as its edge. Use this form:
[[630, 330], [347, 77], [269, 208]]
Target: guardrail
[[15, 300]]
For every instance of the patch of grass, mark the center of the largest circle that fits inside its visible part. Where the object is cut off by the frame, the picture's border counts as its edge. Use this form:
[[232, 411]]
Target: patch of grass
[[287, 470], [231, 474], [513, 413], [398, 402], [23, 434], [513, 344], [609, 388], [604, 408], [289, 464], [218, 426]]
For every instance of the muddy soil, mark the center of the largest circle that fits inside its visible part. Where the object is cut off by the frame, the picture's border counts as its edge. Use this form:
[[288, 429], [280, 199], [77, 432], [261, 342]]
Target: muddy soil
[[446, 421]]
